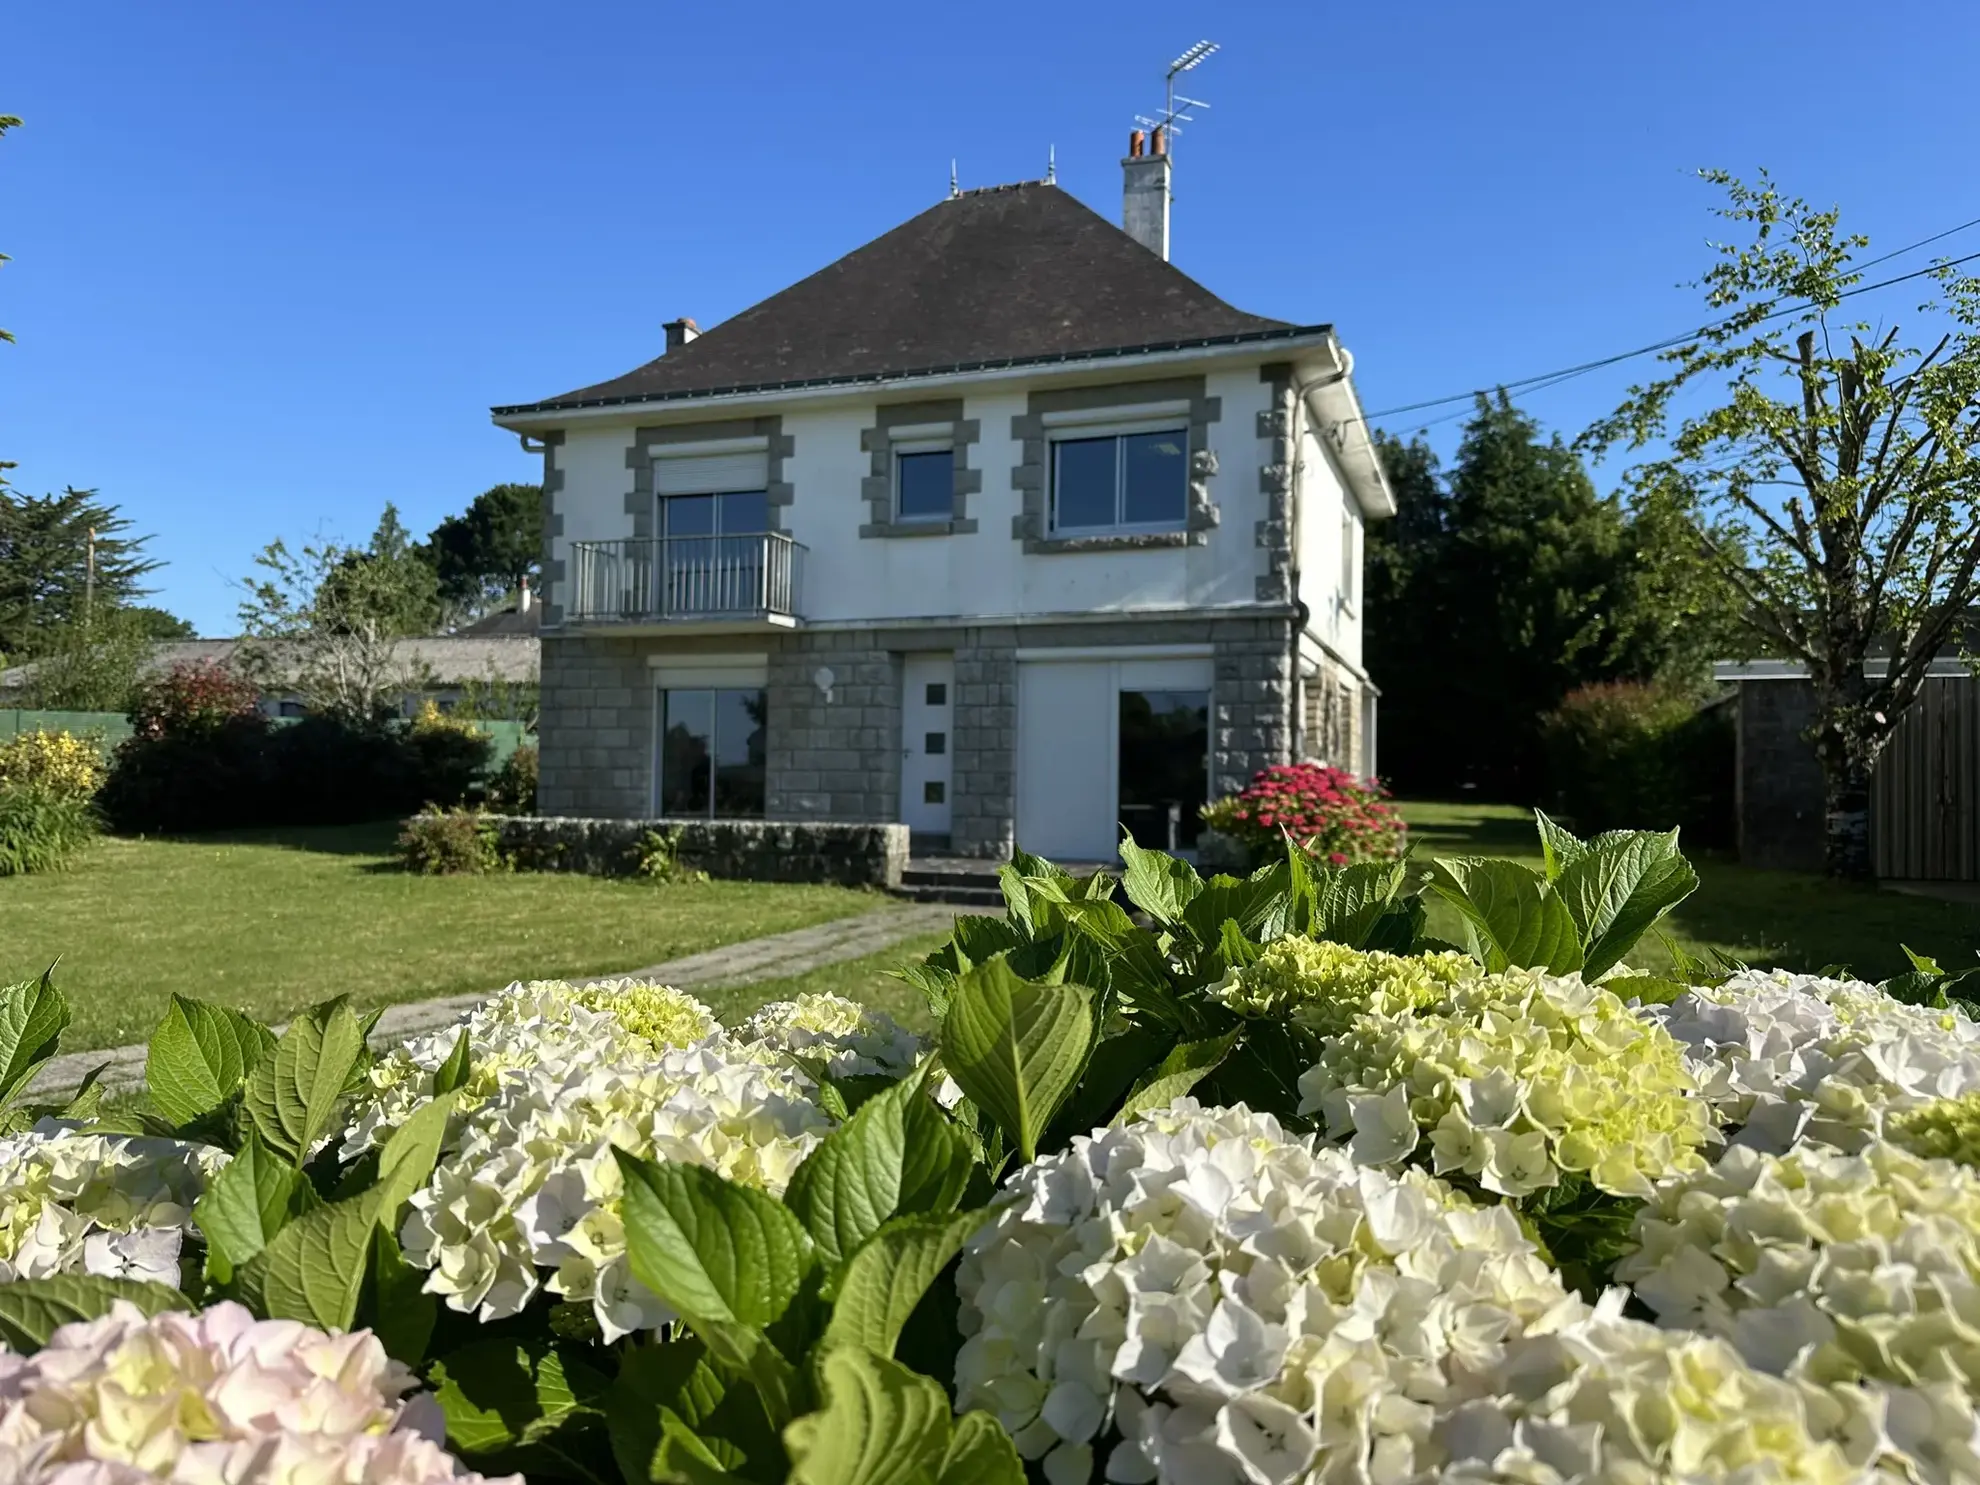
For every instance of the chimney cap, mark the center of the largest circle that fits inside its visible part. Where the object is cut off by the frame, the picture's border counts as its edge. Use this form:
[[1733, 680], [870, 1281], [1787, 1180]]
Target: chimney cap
[[1137, 141], [683, 323], [680, 332]]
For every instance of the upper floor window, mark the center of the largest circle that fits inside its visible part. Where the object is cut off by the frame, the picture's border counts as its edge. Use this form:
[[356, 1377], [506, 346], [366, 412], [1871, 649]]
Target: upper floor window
[[731, 513], [1133, 480], [1350, 560], [924, 481]]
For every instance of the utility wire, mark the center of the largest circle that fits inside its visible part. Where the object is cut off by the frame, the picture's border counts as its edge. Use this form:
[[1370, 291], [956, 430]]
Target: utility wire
[[1545, 379]]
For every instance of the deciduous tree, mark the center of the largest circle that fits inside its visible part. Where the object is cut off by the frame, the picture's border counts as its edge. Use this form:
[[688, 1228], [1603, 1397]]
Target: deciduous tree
[[1831, 477]]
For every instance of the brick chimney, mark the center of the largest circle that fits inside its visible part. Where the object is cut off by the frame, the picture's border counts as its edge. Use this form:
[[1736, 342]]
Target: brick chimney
[[680, 332], [1145, 191]]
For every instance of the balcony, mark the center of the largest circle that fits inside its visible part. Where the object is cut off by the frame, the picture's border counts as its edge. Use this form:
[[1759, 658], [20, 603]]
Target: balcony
[[710, 582]]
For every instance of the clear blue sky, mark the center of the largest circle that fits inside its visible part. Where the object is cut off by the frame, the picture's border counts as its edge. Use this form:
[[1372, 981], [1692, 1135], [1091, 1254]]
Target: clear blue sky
[[273, 263]]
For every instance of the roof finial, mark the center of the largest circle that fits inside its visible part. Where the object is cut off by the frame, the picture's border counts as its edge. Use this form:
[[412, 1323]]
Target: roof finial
[[1051, 165], [954, 189]]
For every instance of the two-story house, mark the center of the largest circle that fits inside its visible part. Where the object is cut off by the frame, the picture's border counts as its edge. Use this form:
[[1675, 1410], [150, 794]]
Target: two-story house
[[1000, 526]]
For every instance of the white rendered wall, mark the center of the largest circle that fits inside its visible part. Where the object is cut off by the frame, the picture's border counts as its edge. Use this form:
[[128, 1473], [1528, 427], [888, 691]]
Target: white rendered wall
[[1323, 499]]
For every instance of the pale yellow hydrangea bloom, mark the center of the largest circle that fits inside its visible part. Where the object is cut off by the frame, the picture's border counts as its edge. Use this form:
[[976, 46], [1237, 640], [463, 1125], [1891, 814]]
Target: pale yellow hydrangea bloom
[[113, 1205], [1513, 1080], [1324, 986], [1946, 1130], [850, 1039]]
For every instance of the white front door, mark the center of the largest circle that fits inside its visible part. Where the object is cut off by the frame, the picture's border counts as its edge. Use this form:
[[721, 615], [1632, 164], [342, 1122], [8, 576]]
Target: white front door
[[1065, 760], [928, 684]]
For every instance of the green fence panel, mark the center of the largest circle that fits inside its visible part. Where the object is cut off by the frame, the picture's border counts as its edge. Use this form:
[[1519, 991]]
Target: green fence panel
[[112, 727]]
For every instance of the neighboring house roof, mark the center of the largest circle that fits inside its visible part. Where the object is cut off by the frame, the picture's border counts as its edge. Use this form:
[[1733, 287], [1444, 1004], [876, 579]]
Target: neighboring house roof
[[988, 278], [1946, 665], [509, 621], [449, 659]]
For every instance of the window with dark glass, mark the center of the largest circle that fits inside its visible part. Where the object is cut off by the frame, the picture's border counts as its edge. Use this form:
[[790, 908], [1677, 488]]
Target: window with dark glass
[[1120, 481], [935, 744], [937, 693], [925, 484], [934, 792], [1164, 766], [712, 753], [713, 557]]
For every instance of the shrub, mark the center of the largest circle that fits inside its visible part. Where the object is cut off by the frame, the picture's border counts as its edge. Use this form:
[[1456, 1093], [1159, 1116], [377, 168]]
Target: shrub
[[197, 696], [513, 789], [657, 858], [449, 842], [42, 828], [1636, 755], [1337, 816], [60, 762]]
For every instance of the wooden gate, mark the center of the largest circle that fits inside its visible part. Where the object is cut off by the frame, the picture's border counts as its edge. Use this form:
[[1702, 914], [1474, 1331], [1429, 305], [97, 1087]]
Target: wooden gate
[[1925, 794]]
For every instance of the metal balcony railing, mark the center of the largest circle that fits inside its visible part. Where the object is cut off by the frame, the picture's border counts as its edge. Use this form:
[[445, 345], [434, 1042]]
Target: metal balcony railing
[[671, 579]]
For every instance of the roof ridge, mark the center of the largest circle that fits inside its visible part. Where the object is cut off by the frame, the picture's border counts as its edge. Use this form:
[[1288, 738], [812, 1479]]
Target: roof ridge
[[1016, 185]]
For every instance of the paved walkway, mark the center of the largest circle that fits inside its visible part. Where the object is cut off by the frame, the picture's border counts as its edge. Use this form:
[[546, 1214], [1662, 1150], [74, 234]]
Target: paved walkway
[[750, 962]]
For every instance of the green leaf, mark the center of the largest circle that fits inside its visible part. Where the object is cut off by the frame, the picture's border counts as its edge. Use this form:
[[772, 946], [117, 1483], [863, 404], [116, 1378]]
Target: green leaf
[[292, 1094], [1560, 848], [402, 1313], [408, 1158], [31, 1310], [1184, 1067], [199, 1056], [977, 937], [499, 1394], [1515, 917], [980, 1453], [86, 1102], [888, 1276], [453, 1073], [313, 1269], [881, 1424], [1351, 900], [712, 1250], [1159, 884], [247, 1203], [1249, 903], [1016, 1047], [33, 1015], [1117, 1064], [899, 1153], [1621, 885]]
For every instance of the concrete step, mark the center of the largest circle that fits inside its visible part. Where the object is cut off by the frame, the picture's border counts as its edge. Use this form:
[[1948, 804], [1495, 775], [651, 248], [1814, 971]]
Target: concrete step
[[989, 899]]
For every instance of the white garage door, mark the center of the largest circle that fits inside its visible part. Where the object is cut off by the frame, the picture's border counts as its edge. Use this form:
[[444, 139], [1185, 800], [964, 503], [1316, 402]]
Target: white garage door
[[1068, 753]]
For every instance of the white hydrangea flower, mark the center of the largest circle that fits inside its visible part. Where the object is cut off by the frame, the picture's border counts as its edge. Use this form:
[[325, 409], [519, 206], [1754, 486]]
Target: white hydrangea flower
[[1511, 1081], [1610, 1399], [217, 1398], [851, 1039], [544, 1020], [1797, 1057], [531, 1183], [1836, 1269], [115, 1205], [1199, 1297]]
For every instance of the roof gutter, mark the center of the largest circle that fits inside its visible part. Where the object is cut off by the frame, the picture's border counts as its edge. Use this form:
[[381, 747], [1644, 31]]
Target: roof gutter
[[1337, 414], [539, 416]]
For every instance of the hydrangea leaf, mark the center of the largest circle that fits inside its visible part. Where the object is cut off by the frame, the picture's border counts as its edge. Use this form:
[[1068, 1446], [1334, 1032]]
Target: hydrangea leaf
[[33, 1015], [1560, 847], [1248, 901], [1159, 884], [1618, 888], [1016, 1047], [453, 1073], [887, 1277], [292, 1094], [980, 1453], [247, 1203], [711, 1249], [402, 1313], [199, 1056], [881, 1425], [1350, 900], [313, 1269], [498, 1394], [31, 1310], [1181, 1070], [408, 1157], [899, 1153], [1514, 918], [669, 1390]]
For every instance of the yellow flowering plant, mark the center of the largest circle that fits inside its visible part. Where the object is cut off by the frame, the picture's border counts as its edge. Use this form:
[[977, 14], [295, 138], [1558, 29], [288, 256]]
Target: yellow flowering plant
[[62, 763]]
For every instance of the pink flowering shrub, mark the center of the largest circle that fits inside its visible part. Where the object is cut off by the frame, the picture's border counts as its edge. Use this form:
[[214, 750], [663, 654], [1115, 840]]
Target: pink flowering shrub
[[216, 1397], [1338, 816]]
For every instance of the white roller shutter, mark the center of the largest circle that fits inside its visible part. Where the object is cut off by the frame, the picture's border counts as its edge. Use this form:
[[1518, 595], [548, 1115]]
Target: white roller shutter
[[711, 474]]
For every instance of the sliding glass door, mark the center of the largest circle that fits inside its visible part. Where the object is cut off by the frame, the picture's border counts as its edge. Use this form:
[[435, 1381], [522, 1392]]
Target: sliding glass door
[[711, 753]]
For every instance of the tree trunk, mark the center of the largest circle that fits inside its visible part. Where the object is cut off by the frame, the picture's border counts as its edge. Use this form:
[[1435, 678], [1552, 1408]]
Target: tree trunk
[[1846, 818]]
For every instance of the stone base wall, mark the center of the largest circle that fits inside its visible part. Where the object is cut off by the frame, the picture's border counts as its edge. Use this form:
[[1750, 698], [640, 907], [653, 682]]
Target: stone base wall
[[1251, 723], [1330, 717], [836, 758], [595, 731], [854, 854]]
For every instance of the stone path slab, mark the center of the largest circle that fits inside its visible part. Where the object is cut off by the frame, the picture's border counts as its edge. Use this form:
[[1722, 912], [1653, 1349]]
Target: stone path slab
[[775, 957]]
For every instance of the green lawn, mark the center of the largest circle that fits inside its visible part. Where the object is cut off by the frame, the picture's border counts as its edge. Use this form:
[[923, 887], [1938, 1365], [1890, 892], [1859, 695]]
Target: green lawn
[[278, 920], [1791, 919]]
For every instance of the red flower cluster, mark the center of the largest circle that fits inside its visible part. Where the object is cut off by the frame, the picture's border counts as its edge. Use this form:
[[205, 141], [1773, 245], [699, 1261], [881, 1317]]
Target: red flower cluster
[[1337, 816], [200, 696]]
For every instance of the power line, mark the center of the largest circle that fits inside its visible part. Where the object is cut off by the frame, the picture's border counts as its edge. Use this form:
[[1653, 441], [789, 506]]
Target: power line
[[1545, 379]]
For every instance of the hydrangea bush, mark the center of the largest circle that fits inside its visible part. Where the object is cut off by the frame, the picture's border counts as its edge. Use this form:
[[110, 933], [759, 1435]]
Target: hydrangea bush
[[1337, 816], [1242, 1181]]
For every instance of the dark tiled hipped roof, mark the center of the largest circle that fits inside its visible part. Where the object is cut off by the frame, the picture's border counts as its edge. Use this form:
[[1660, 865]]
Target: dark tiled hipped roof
[[1012, 273]]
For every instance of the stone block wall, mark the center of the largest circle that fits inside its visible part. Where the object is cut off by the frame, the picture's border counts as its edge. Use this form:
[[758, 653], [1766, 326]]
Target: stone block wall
[[852, 853], [983, 812], [836, 757], [1779, 782], [595, 734], [1252, 708]]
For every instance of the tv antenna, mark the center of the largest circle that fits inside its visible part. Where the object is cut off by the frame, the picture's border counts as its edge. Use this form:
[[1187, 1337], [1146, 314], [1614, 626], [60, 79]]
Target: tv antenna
[[1175, 103]]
